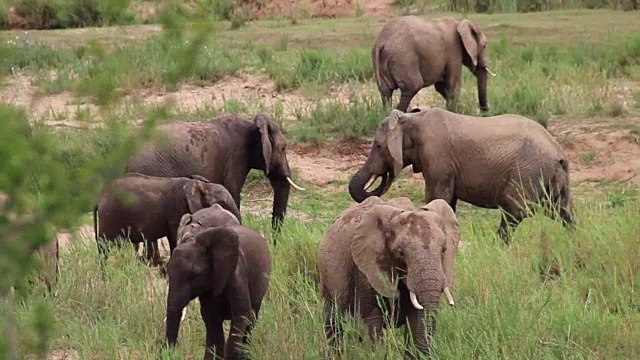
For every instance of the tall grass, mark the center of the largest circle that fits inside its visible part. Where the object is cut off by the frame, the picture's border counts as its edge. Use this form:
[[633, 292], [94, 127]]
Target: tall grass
[[522, 6], [506, 306]]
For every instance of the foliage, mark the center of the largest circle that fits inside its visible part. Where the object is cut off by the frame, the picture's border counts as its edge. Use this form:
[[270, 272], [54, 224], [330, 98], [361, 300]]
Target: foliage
[[53, 14], [521, 6], [50, 179]]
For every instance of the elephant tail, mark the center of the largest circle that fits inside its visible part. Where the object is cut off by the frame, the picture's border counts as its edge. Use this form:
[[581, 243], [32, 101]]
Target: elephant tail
[[95, 222], [380, 62]]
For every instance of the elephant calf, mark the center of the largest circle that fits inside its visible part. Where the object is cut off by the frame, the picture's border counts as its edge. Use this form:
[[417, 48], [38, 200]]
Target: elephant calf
[[227, 268], [147, 208], [393, 250]]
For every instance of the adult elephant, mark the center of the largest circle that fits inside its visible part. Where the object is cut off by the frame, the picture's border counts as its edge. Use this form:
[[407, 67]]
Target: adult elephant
[[504, 161], [386, 256], [223, 150], [411, 53]]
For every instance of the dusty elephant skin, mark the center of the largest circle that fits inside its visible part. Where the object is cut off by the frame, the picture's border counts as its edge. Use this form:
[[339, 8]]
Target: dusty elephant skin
[[411, 53], [227, 268], [505, 161], [210, 217], [223, 150], [147, 208], [393, 252]]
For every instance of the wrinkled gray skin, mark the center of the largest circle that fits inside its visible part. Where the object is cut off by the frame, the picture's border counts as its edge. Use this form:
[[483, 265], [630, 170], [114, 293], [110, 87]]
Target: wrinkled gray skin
[[210, 217], [411, 53], [227, 268], [223, 150], [503, 161], [373, 245], [147, 208]]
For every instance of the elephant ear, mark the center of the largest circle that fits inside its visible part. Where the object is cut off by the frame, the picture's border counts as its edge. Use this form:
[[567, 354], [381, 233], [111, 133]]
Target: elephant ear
[[449, 224], [183, 231], [218, 194], [194, 192], [394, 140], [262, 122], [369, 248], [468, 33], [222, 249]]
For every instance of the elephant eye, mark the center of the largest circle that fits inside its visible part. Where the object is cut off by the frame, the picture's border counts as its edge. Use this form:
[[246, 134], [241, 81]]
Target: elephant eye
[[400, 253]]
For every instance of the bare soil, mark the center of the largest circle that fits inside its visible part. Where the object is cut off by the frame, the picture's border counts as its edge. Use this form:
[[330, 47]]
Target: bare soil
[[599, 148]]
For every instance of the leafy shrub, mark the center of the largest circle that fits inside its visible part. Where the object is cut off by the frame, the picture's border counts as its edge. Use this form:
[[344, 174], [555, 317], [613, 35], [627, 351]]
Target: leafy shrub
[[54, 14]]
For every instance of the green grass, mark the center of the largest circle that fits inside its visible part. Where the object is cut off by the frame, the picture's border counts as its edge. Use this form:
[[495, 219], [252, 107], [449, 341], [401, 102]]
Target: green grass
[[540, 73], [504, 308]]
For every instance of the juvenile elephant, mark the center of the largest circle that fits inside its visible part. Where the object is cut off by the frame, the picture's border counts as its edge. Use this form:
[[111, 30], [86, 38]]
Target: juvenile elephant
[[380, 257], [147, 208], [227, 268], [223, 150], [209, 217], [411, 53], [504, 161]]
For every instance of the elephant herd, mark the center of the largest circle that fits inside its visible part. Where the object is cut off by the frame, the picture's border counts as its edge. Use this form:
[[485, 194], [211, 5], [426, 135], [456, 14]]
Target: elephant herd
[[378, 255]]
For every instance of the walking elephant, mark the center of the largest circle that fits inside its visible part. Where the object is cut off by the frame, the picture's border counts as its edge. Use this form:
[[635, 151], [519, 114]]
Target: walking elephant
[[386, 256], [147, 208], [411, 53], [223, 150], [227, 268], [504, 161]]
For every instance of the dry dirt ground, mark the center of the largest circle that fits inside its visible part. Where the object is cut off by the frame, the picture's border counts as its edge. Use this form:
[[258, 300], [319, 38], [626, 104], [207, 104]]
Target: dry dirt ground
[[598, 147]]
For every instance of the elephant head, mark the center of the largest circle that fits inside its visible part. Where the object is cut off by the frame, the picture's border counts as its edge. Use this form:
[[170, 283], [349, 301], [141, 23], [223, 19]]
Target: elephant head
[[391, 244], [272, 152], [474, 43], [201, 193], [205, 264], [386, 159], [213, 216]]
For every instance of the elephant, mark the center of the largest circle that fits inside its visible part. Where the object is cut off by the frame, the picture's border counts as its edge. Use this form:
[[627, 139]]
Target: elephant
[[499, 162], [227, 268], [379, 256], [222, 149], [147, 208], [209, 217], [411, 53]]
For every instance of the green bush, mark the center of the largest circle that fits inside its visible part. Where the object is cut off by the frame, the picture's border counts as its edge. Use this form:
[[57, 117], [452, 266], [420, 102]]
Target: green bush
[[522, 6], [55, 14]]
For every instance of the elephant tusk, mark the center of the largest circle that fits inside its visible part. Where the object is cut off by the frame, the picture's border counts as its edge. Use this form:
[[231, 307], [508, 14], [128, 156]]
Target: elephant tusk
[[447, 293], [184, 315], [489, 72], [368, 184], [414, 301], [294, 184]]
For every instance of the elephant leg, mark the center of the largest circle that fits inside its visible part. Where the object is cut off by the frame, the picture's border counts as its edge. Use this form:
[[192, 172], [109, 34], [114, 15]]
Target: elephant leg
[[239, 325], [508, 223], [385, 96], [151, 252], [332, 328], [450, 90], [419, 332], [440, 188], [214, 347], [406, 95]]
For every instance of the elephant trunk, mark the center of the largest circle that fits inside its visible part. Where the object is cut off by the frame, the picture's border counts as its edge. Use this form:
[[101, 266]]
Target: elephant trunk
[[481, 77], [281, 188], [362, 180], [177, 301]]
